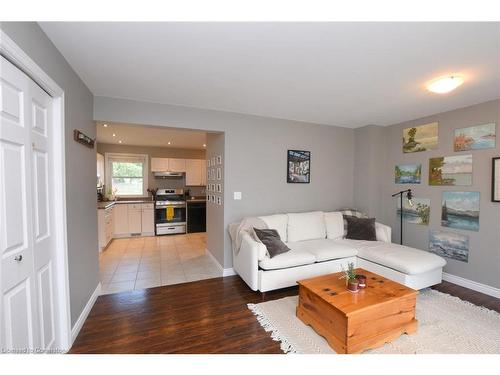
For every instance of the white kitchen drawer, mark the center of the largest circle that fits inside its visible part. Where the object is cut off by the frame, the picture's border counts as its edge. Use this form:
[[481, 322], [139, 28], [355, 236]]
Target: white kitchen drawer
[[135, 206], [146, 206]]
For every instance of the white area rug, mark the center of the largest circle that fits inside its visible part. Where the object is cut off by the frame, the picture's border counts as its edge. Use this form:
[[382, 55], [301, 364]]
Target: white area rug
[[446, 325]]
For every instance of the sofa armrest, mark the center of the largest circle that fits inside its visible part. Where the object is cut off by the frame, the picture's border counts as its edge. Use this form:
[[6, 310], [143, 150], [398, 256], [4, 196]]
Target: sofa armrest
[[246, 260], [383, 232]]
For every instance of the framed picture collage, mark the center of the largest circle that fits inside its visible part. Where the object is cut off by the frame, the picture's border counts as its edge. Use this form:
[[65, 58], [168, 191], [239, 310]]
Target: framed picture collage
[[215, 181]]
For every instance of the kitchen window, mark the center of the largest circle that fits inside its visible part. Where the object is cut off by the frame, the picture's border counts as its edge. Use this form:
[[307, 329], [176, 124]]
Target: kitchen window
[[128, 174]]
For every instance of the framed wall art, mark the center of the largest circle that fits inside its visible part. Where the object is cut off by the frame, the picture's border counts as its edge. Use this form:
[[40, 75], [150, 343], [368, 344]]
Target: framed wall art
[[477, 137], [408, 174], [298, 167], [495, 181], [451, 170], [449, 244], [420, 138]]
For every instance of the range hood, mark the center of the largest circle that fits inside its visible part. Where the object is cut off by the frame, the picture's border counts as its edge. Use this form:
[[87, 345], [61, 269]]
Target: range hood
[[167, 174]]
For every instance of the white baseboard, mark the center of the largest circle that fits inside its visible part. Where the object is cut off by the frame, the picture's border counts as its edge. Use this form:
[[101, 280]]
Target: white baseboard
[[228, 272], [466, 283], [85, 313], [223, 271]]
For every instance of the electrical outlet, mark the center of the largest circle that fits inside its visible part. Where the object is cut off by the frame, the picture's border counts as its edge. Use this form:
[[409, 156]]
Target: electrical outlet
[[237, 195]]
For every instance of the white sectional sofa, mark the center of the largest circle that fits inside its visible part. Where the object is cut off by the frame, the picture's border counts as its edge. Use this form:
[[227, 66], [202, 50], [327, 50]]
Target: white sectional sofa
[[318, 247]]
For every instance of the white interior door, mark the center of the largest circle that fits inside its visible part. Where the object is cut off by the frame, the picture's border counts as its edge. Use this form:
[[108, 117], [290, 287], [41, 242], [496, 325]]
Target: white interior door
[[27, 242]]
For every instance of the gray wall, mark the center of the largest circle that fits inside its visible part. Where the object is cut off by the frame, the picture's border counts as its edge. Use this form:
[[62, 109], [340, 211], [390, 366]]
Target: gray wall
[[255, 157], [159, 152], [376, 177], [369, 143], [80, 161], [215, 213]]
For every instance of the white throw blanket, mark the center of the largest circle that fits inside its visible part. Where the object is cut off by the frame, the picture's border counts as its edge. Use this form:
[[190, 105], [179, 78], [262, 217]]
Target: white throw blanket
[[236, 230]]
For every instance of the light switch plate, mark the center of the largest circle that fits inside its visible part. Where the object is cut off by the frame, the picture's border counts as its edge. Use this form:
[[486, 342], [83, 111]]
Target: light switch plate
[[237, 195]]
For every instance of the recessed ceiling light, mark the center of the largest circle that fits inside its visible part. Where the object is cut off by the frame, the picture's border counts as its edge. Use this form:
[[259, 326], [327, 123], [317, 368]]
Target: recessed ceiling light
[[443, 85], [114, 135], [119, 141], [168, 143], [105, 125], [204, 145]]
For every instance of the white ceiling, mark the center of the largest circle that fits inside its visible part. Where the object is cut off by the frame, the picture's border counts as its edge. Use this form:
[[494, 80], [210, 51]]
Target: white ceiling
[[140, 135], [345, 74]]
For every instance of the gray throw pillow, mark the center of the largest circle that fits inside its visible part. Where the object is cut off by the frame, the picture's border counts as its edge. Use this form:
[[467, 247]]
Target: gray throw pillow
[[271, 239], [360, 228]]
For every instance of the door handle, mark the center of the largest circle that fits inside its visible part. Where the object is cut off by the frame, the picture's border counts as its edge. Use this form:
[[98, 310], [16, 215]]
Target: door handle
[[18, 258]]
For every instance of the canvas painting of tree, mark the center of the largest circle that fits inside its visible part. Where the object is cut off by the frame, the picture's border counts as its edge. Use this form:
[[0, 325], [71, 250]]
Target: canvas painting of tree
[[420, 138], [451, 171]]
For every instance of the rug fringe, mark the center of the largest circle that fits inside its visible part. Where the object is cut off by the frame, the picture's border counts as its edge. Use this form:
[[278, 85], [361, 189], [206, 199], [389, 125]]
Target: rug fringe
[[449, 296], [285, 345]]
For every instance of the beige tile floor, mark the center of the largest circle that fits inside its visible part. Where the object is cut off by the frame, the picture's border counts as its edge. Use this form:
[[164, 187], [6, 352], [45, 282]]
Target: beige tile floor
[[147, 262]]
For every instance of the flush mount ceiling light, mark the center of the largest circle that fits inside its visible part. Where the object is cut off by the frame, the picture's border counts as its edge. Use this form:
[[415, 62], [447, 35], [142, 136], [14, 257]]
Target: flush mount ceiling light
[[204, 145], [120, 141], [443, 85], [105, 125], [168, 143], [114, 135]]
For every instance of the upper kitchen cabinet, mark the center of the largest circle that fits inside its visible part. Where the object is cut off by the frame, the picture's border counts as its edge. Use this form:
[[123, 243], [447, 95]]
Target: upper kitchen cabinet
[[195, 172], [100, 170], [203, 173], [168, 165], [176, 165], [159, 164]]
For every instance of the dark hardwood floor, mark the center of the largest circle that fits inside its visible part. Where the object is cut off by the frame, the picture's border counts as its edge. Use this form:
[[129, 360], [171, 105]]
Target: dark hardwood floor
[[470, 295], [207, 316]]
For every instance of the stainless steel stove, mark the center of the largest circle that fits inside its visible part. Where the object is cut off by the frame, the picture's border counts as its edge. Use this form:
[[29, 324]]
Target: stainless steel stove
[[170, 212]]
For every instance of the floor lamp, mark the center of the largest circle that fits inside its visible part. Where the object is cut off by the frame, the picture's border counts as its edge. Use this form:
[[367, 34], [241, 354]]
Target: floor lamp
[[409, 196]]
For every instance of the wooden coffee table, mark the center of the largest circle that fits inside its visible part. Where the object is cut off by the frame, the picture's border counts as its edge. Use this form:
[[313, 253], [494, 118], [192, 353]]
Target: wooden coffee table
[[354, 322]]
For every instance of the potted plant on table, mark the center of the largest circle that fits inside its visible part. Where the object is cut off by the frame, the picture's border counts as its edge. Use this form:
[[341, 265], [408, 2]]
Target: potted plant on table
[[349, 275]]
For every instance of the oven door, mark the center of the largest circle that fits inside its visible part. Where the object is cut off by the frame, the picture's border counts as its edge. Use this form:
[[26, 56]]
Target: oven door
[[173, 223]]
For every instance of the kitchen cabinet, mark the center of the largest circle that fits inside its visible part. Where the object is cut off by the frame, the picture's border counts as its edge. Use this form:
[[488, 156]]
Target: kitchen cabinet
[[105, 225], [196, 169], [148, 219], [159, 164], [100, 170], [168, 165], [134, 219], [177, 165], [195, 173], [120, 219], [203, 173]]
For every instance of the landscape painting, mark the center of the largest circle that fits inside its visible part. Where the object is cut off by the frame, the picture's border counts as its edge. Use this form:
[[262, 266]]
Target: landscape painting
[[418, 213], [449, 244], [460, 210], [451, 170], [478, 137], [420, 138], [408, 174]]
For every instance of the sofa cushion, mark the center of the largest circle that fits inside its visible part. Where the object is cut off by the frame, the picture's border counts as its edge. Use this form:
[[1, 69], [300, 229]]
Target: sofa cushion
[[278, 222], [400, 258], [334, 224], [292, 258], [324, 249], [360, 228], [271, 239], [306, 226], [350, 212]]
